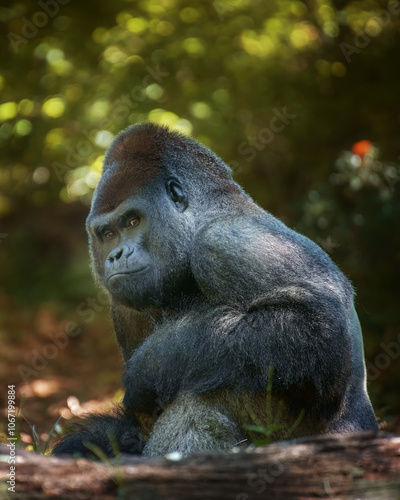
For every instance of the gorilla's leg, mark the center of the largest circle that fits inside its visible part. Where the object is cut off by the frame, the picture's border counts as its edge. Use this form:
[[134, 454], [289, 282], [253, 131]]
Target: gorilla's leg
[[192, 424], [117, 433]]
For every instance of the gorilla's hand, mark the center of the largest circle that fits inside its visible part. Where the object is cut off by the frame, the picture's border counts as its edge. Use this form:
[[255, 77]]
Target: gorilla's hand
[[118, 432]]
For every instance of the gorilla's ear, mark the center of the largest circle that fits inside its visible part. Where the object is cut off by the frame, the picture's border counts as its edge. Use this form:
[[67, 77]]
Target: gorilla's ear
[[177, 193]]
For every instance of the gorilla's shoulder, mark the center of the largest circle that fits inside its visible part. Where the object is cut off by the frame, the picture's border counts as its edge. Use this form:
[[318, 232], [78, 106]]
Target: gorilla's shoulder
[[249, 252]]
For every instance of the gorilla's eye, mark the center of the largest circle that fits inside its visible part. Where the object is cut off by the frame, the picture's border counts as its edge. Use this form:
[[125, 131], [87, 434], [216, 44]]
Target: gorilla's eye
[[108, 234], [133, 221]]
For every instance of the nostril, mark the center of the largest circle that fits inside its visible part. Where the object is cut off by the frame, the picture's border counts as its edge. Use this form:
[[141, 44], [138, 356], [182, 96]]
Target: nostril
[[115, 255]]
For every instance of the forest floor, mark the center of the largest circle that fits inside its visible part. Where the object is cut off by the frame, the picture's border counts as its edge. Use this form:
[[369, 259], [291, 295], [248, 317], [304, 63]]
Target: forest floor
[[55, 374]]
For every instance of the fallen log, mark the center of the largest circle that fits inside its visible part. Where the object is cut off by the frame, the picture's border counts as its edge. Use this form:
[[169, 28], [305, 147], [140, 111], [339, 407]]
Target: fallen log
[[353, 466]]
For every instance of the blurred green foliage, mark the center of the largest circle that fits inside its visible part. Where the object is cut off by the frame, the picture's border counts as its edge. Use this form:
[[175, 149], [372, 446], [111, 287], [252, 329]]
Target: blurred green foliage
[[281, 90]]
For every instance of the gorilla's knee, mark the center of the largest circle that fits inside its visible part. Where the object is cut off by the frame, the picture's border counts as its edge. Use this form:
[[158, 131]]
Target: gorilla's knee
[[192, 424]]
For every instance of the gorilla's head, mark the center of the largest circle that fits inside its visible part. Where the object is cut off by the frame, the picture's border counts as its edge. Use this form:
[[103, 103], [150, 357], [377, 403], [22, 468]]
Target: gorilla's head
[[157, 188]]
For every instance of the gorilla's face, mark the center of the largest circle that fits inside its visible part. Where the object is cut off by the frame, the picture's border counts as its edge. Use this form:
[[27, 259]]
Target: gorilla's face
[[140, 249]]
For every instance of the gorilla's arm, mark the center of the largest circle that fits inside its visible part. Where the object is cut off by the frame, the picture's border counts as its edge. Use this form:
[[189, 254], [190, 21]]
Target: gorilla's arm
[[297, 324], [303, 338], [132, 327]]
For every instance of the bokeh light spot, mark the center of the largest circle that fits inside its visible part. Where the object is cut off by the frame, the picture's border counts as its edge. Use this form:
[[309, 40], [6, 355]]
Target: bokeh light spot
[[23, 127], [104, 138], [137, 25], [194, 46], [189, 15], [200, 110], [54, 107], [338, 69], [41, 175], [154, 91], [8, 110]]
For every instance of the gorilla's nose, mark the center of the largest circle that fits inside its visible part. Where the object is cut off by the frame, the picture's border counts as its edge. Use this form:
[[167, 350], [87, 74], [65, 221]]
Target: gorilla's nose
[[115, 255]]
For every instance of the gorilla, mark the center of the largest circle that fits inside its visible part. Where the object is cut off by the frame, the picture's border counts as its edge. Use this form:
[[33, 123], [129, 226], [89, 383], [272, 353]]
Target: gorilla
[[229, 322]]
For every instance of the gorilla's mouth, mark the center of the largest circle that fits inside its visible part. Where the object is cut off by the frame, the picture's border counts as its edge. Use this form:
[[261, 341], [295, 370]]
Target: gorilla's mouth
[[127, 273]]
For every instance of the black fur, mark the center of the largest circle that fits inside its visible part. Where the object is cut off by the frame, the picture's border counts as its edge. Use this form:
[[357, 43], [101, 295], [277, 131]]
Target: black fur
[[112, 434], [219, 291]]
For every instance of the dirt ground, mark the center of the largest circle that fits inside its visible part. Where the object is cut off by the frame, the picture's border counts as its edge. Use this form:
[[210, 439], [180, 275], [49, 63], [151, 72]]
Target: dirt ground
[[60, 364]]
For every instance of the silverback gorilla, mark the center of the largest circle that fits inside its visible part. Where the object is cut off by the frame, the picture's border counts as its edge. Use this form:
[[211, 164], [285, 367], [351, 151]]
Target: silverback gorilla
[[225, 316]]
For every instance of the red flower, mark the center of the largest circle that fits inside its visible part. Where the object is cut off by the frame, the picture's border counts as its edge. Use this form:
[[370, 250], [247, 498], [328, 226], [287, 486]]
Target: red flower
[[361, 148]]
